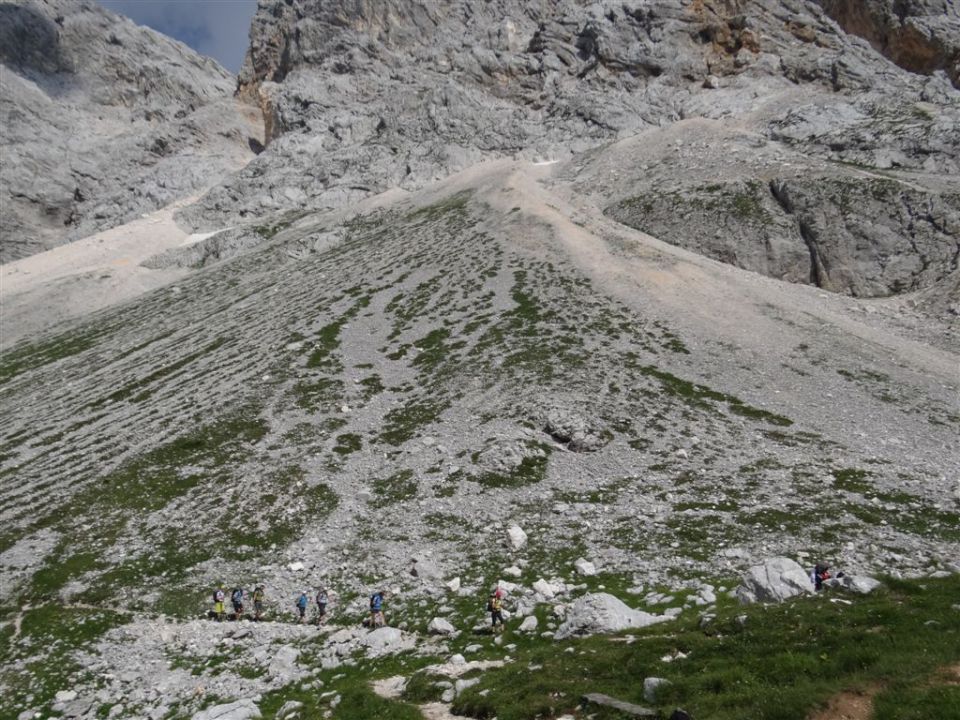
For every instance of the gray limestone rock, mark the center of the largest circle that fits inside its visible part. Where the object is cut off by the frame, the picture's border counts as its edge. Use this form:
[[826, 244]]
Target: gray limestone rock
[[602, 613], [240, 710], [628, 709], [440, 626], [104, 120], [776, 580]]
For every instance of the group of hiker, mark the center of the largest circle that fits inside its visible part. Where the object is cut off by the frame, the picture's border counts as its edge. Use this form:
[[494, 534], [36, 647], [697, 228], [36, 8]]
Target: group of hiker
[[237, 597], [321, 600]]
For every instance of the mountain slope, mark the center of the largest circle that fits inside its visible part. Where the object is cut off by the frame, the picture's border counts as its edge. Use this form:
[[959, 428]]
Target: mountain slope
[[364, 390], [670, 287], [103, 120]]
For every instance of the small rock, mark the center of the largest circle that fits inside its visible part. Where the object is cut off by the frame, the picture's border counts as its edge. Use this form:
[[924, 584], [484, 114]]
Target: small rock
[[518, 538], [65, 696], [440, 626], [650, 686], [454, 585], [529, 624], [513, 571], [619, 705], [460, 685], [584, 567]]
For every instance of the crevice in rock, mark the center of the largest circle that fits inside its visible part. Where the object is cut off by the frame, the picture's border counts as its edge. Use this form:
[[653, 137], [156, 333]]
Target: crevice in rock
[[778, 189], [809, 236]]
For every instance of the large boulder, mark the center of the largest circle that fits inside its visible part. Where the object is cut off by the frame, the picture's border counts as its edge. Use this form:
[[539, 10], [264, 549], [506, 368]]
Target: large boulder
[[775, 580], [385, 640], [603, 613]]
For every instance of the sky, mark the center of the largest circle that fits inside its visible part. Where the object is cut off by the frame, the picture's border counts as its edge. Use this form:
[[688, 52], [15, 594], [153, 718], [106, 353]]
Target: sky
[[217, 28]]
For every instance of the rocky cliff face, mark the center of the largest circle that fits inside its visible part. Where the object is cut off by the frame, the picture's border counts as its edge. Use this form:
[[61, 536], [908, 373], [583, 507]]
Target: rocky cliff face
[[363, 96], [103, 120], [922, 36]]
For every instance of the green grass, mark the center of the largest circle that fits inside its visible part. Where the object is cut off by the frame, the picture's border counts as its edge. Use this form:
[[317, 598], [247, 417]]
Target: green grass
[[852, 480], [27, 357], [531, 470], [92, 520], [403, 423], [393, 489], [50, 635], [783, 663], [348, 443]]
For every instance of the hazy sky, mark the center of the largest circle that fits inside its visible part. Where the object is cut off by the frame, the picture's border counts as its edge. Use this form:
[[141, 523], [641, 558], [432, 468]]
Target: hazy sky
[[217, 28]]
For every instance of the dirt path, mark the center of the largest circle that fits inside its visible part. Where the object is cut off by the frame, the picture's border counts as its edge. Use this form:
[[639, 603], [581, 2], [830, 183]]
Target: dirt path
[[848, 705], [87, 275], [715, 299]]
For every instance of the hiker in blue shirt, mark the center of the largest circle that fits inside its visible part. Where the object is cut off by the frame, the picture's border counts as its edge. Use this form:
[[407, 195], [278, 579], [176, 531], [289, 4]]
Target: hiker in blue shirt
[[376, 609], [302, 603]]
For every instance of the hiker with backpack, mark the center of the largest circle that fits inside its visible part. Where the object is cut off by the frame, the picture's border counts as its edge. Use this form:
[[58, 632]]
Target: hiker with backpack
[[376, 609], [302, 603], [321, 600], [258, 595], [236, 598], [495, 608], [820, 573], [219, 596]]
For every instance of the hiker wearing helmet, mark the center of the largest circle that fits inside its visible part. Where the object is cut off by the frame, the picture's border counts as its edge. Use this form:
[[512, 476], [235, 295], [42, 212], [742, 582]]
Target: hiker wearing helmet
[[302, 603]]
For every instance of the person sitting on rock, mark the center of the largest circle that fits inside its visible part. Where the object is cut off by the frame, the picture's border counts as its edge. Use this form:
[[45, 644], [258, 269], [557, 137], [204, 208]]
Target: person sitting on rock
[[820, 572], [376, 609], [302, 603], [322, 600], [258, 595]]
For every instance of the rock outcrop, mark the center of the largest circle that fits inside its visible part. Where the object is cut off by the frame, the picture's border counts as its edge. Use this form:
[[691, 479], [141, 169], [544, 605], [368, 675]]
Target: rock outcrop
[[103, 120], [776, 580], [922, 36], [603, 613], [362, 96]]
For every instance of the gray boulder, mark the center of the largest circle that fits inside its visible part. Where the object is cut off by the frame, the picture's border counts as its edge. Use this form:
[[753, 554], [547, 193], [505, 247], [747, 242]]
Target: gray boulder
[[603, 613], [240, 710], [385, 640], [775, 580], [440, 626], [860, 584]]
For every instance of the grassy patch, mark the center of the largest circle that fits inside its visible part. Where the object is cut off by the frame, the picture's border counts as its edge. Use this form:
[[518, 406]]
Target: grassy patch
[[403, 423], [393, 489], [782, 663], [348, 443], [28, 357], [531, 470]]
